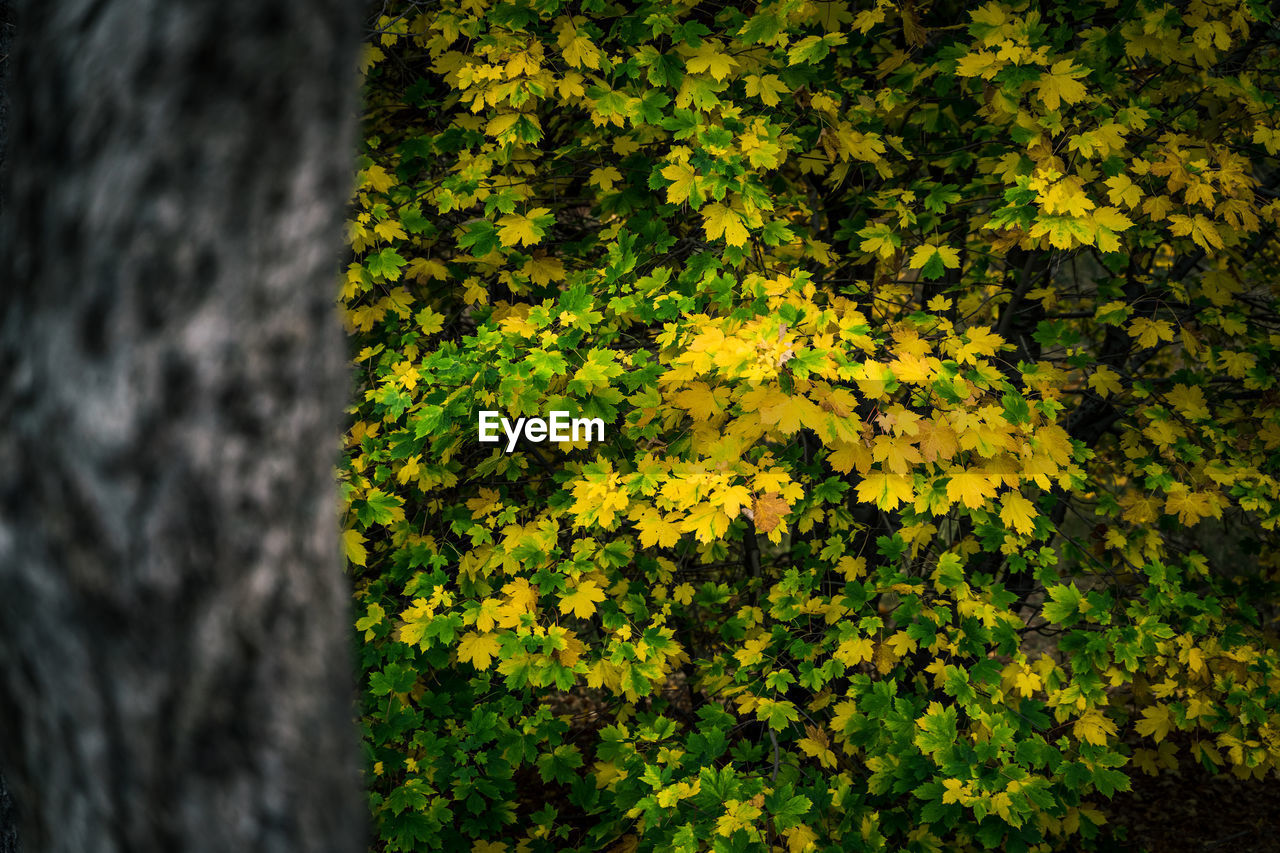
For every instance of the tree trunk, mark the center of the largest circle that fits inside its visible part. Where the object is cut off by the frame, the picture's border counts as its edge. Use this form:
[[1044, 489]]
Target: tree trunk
[[175, 669]]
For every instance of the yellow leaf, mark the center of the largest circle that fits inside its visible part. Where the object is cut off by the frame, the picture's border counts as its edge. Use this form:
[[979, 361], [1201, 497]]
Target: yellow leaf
[[501, 124], [521, 595], [970, 487], [706, 521], [377, 179], [854, 568], [578, 50], [732, 499], [788, 413], [604, 178], [1189, 401], [353, 544], [1027, 683], [1157, 206], [711, 60], [1191, 506], [886, 490], [474, 291], [426, 269], [982, 64], [1155, 723], [922, 255], [1121, 190], [955, 791], [544, 270], [478, 649], [897, 454], [848, 456], [1059, 84], [1107, 222], [1200, 228], [1017, 512], [681, 176], [721, 221], [656, 530], [766, 88], [516, 229], [817, 749], [1105, 381], [582, 601], [1094, 727], [389, 229], [854, 652], [1150, 332]]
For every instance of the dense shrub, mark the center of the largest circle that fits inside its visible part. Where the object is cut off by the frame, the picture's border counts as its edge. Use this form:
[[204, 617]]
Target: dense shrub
[[936, 348]]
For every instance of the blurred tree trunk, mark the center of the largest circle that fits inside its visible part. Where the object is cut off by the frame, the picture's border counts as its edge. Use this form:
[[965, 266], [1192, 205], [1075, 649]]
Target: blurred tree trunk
[[8, 820], [175, 672]]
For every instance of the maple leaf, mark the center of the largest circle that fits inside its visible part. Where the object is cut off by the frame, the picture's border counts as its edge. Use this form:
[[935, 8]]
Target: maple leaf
[[1155, 723], [604, 178], [578, 49], [1060, 83], [897, 454], [1107, 222], [582, 601], [937, 441], [1018, 512], [849, 455], [1190, 401], [1027, 683], [982, 64], [970, 487], [390, 229], [1122, 190], [1203, 232], [720, 221], [700, 401], [881, 239], [1150, 332], [1105, 381], [1191, 506], [516, 229], [1094, 727], [733, 499], [353, 544], [788, 413], [378, 179], [885, 490], [855, 651], [767, 88], [933, 260], [711, 59], [681, 176], [768, 511], [706, 521], [479, 650]]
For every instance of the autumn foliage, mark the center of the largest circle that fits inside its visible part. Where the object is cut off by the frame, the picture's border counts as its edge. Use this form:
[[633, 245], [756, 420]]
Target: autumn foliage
[[937, 348]]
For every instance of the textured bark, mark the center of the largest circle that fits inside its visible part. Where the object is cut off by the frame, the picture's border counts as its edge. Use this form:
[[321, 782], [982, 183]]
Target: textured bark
[[8, 822], [8, 818], [174, 664]]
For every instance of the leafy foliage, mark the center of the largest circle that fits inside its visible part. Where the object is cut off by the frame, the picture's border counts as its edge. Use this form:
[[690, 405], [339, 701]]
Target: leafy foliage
[[937, 348]]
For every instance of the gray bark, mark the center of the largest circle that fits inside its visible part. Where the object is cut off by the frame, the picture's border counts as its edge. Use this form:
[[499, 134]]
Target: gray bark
[[8, 817], [175, 673]]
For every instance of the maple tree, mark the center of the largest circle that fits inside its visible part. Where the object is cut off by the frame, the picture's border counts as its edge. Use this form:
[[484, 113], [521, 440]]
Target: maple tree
[[937, 348]]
